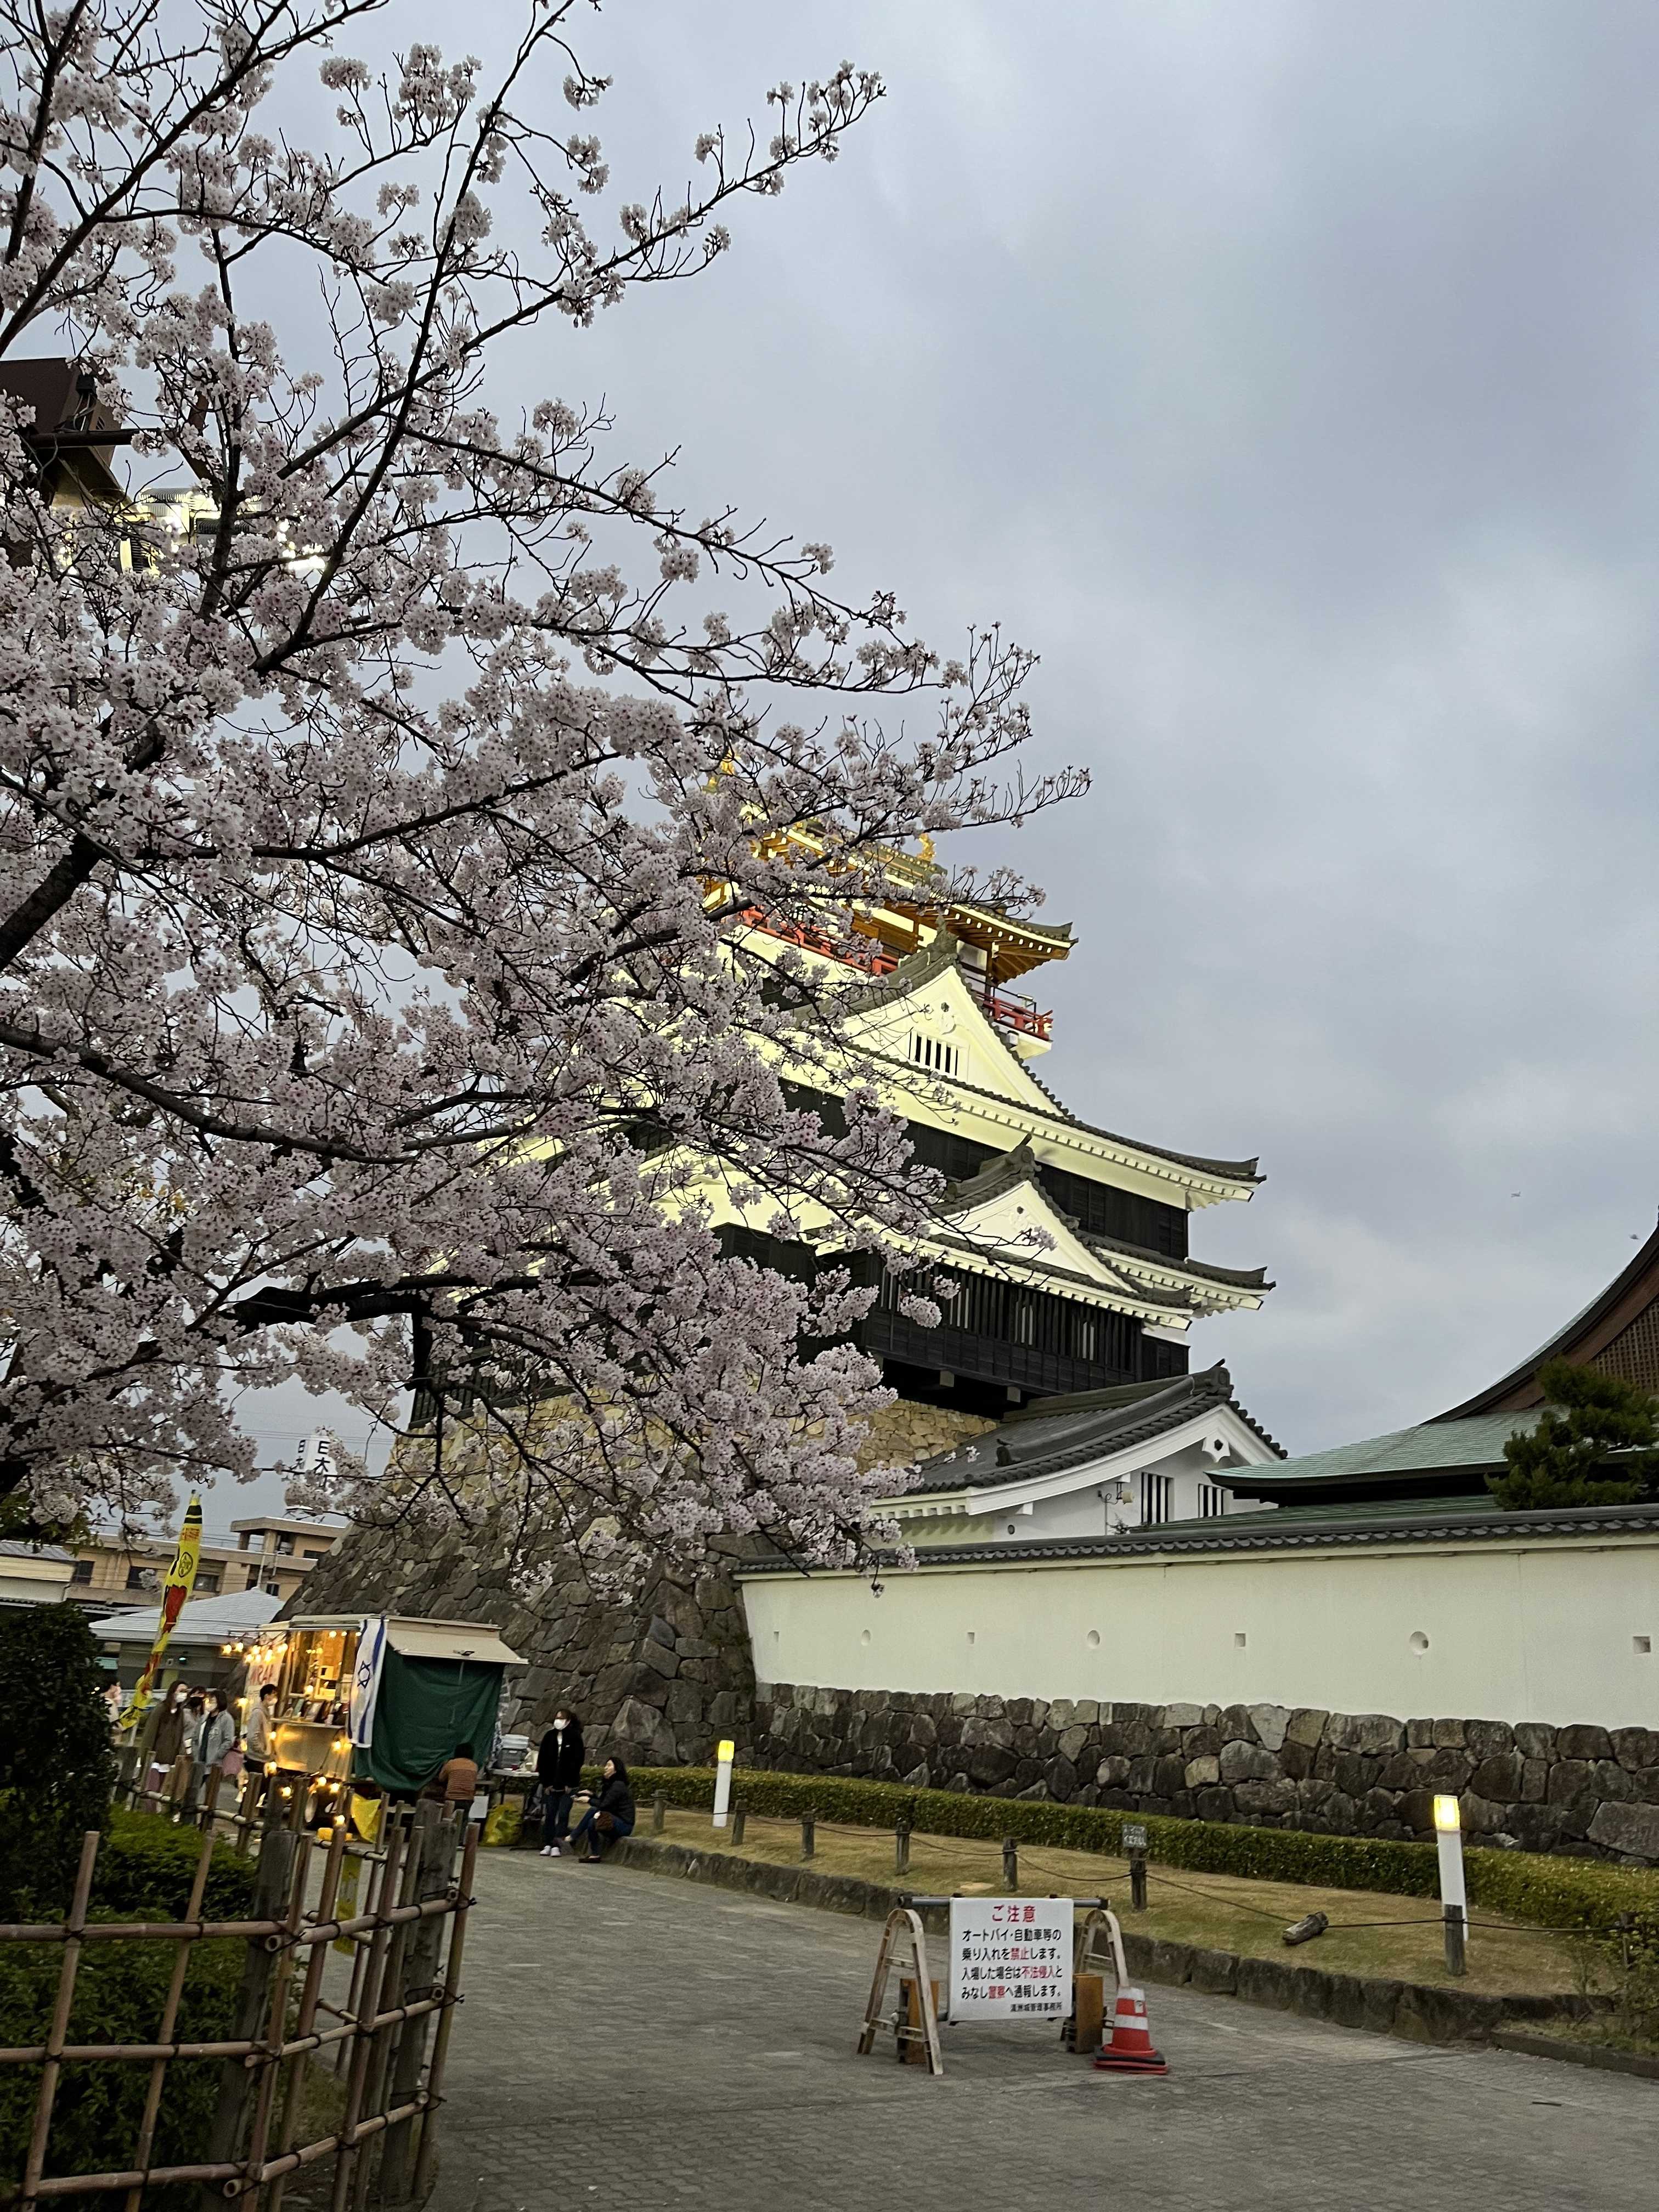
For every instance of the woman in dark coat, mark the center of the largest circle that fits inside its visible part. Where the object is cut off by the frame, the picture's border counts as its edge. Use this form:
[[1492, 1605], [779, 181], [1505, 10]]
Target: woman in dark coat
[[559, 1770], [610, 1815]]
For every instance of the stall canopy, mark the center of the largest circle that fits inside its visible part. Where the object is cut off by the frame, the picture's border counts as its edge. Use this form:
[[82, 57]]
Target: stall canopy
[[445, 1639]]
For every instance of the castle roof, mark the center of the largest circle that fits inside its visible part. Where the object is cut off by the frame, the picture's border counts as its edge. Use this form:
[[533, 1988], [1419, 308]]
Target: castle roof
[[1055, 1434]]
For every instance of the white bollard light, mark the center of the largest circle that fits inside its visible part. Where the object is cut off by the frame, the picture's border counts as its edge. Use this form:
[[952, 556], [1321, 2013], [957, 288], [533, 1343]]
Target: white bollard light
[[725, 1754], [1449, 1835], [1454, 1901]]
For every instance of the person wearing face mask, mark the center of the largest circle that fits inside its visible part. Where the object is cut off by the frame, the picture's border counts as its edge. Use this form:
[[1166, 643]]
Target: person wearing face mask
[[559, 1770]]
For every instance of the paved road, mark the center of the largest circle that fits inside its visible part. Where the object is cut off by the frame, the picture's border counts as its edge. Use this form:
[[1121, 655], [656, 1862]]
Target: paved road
[[629, 2040]]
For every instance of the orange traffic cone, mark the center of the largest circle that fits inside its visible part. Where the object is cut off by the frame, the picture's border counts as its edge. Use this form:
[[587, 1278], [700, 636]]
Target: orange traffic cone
[[1129, 2048]]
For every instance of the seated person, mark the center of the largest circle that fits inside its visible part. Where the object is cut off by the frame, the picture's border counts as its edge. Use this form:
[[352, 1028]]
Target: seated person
[[611, 1813]]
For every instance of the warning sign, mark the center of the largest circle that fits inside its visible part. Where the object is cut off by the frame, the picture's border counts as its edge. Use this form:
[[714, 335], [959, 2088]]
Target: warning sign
[[1011, 1957]]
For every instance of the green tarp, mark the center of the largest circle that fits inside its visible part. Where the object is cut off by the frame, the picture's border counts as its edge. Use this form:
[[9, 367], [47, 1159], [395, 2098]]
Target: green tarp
[[426, 1708]]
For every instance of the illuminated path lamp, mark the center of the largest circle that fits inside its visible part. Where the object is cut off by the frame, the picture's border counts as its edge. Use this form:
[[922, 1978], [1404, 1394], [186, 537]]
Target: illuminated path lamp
[[1454, 1902], [725, 1754]]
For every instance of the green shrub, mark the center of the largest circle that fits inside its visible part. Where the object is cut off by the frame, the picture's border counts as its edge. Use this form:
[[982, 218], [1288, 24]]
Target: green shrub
[[1575, 1894], [57, 1766], [118, 1995], [145, 1870], [146, 1866]]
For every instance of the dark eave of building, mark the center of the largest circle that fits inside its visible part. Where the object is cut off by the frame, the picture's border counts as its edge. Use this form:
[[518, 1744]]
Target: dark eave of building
[[1470, 1519]]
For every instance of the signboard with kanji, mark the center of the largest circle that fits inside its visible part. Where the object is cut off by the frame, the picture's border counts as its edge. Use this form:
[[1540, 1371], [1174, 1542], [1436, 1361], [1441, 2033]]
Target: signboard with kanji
[[1011, 1957]]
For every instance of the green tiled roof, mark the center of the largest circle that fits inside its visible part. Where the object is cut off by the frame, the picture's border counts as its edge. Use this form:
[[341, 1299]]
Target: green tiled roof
[[1477, 1441]]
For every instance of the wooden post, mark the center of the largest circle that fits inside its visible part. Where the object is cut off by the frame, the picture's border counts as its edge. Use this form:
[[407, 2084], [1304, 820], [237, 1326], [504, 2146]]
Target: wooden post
[[739, 1822], [58, 2033], [1010, 1864], [1088, 2013], [434, 2078], [809, 1833], [273, 1873], [658, 1813], [1455, 1929], [392, 1979], [1138, 1879], [438, 1838], [305, 2018], [270, 2065], [902, 1847], [368, 2004], [211, 1799], [169, 2021]]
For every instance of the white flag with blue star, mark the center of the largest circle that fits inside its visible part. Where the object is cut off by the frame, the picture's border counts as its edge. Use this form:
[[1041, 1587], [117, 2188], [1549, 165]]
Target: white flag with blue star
[[365, 1678]]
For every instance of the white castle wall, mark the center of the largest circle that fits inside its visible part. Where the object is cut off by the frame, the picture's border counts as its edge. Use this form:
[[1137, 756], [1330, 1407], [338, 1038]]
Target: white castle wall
[[1562, 1631]]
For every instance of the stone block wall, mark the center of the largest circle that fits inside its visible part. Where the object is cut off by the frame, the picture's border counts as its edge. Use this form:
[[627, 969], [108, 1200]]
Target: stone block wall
[[1575, 1789]]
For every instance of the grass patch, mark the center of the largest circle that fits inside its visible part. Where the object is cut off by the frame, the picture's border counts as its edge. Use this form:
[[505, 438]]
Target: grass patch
[[1222, 1912]]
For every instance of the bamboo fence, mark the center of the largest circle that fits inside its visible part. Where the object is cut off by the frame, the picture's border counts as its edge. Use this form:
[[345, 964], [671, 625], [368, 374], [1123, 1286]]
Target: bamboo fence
[[378, 2036]]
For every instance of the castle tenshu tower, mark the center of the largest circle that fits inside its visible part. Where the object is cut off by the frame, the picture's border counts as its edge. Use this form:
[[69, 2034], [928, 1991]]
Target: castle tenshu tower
[[1067, 1243]]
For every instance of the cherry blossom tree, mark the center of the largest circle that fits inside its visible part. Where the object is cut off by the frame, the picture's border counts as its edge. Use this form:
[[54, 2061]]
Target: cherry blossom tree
[[373, 1003]]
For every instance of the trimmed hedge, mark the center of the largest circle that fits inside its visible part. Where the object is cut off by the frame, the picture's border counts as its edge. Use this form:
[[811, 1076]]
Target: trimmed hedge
[[146, 1866], [1578, 1895]]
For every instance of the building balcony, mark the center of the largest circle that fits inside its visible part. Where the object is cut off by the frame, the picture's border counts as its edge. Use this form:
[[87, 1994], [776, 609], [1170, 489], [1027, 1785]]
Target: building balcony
[[1009, 1010]]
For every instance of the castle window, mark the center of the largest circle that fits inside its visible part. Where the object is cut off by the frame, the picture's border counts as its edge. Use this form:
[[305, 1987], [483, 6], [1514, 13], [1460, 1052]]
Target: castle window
[[1211, 1500], [931, 1052], [1157, 1493]]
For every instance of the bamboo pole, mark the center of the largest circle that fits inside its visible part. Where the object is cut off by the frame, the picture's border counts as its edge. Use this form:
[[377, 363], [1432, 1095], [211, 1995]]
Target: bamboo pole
[[309, 1993], [57, 2035], [76, 2054], [391, 1873], [420, 1971], [207, 1931], [270, 2069], [169, 2020], [435, 2074], [379, 2037]]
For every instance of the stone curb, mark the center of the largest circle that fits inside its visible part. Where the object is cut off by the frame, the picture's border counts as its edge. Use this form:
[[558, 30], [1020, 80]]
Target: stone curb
[[1416, 2010], [1577, 2054]]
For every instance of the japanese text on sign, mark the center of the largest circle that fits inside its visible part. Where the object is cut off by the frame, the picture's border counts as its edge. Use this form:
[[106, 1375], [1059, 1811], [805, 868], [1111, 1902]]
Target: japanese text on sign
[[1010, 1956]]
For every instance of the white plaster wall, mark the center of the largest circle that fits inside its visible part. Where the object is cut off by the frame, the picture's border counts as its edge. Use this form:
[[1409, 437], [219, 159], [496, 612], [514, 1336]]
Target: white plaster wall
[[1543, 1632]]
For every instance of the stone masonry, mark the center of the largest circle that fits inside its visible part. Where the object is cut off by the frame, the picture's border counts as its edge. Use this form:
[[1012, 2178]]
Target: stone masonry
[[1576, 1790]]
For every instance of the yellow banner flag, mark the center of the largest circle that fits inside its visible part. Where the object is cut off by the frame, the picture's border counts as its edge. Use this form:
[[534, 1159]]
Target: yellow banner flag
[[180, 1581]]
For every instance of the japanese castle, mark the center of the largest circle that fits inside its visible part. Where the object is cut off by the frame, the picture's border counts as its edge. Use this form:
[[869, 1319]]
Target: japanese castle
[[1067, 1244]]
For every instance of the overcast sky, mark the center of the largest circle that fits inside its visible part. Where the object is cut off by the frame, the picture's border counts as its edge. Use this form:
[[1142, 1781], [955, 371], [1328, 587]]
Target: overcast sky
[[1283, 375]]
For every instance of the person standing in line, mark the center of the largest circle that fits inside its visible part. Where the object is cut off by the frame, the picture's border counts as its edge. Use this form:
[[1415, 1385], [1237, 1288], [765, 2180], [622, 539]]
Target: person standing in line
[[609, 1818], [168, 1738], [180, 1790], [559, 1770], [257, 1741], [217, 1739]]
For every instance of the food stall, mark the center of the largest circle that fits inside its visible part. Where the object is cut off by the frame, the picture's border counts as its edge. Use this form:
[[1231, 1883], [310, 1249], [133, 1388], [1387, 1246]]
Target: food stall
[[385, 1701]]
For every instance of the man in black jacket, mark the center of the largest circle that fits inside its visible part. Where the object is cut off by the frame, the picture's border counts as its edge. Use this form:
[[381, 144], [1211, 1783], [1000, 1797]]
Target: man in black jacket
[[559, 1770]]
